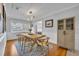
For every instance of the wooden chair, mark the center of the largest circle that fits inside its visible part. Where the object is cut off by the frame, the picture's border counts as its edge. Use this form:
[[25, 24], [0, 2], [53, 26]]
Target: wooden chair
[[27, 45], [20, 42], [43, 42]]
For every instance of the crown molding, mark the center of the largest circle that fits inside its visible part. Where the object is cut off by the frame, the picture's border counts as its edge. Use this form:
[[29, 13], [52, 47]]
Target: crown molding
[[52, 13]]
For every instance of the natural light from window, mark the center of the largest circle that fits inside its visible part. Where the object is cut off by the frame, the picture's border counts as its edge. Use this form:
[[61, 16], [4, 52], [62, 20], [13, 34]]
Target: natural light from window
[[39, 26]]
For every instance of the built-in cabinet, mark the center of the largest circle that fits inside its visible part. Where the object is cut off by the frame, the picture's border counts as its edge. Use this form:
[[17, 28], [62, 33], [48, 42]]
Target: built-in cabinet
[[66, 33]]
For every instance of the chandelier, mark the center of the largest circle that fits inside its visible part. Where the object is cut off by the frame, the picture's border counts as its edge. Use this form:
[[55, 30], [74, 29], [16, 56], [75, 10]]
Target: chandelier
[[31, 18]]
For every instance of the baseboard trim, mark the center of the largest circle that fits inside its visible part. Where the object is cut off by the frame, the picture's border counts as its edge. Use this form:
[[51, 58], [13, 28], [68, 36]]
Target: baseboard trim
[[52, 42]]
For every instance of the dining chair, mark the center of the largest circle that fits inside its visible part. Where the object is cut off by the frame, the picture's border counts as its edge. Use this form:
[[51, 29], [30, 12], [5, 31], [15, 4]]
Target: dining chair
[[43, 43]]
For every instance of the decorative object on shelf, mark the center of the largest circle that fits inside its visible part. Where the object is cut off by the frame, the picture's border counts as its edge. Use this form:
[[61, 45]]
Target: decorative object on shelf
[[49, 23]]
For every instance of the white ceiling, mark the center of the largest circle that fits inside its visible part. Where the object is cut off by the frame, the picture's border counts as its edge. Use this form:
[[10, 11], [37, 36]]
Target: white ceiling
[[20, 10]]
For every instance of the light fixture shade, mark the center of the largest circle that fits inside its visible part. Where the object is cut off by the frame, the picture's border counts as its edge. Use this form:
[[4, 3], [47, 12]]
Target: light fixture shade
[[30, 12]]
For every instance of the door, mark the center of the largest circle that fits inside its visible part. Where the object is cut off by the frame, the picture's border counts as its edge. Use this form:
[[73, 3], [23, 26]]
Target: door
[[66, 33], [70, 33], [60, 33]]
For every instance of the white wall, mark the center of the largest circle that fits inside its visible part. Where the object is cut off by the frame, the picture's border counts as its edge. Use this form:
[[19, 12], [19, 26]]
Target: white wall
[[12, 35], [52, 32]]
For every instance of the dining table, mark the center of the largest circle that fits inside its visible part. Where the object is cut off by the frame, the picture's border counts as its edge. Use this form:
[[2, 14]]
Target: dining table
[[38, 40], [33, 36]]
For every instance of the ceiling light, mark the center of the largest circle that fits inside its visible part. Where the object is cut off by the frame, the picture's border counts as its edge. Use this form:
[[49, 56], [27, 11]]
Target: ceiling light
[[30, 12]]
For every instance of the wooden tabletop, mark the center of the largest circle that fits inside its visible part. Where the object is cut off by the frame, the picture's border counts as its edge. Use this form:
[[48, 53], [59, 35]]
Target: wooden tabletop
[[33, 36]]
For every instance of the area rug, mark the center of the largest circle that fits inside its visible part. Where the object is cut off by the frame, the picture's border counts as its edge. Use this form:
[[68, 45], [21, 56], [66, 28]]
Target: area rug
[[36, 50]]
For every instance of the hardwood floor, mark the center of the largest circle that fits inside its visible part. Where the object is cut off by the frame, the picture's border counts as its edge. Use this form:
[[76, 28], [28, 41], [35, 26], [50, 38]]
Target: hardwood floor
[[54, 50], [10, 49]]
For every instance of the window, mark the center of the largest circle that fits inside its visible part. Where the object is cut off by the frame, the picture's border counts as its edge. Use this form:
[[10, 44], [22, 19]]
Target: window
[[39, 27], [18, 27], [15, 27]]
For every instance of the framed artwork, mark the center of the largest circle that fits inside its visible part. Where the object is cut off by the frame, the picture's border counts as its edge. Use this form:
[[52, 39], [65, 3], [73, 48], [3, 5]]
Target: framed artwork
[[49, 23]]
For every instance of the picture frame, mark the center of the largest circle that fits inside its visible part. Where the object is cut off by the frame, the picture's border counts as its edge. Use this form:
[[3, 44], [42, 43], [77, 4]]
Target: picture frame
[[49, 23]]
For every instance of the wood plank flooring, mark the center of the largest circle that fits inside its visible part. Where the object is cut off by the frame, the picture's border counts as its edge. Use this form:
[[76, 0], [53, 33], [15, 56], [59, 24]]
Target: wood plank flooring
[[54, 50], [10, 49]]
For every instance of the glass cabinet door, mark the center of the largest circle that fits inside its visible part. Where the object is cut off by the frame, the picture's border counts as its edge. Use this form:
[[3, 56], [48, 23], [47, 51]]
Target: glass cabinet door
[[70, 24], [60, 24]]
